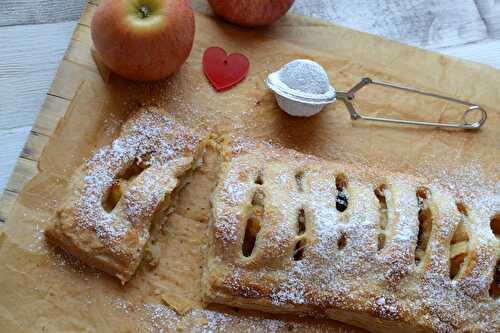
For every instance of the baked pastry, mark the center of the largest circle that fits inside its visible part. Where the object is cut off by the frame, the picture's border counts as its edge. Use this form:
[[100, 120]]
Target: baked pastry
[[115, 196], [292, 233]]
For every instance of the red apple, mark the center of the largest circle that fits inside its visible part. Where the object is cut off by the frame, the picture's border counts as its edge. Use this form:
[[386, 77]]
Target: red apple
[[143, 40], [251, 13]]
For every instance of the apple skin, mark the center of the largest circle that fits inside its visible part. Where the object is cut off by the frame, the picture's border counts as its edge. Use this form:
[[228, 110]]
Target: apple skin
[[251, 13], [143, 49]]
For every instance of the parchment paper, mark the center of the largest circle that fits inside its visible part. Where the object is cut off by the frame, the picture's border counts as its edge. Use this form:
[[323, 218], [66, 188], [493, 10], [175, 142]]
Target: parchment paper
[[44, 290]]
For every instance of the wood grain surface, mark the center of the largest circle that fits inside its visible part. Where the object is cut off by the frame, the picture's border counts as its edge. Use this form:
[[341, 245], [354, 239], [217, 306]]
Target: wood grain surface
[[423, 23], [16, 12], [490, 12], [31, 52]]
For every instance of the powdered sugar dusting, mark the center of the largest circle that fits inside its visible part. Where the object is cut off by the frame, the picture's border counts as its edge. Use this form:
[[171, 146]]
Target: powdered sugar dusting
[[305, 76], [357, 274], [159, 318], [165, 149], [470, 184], [146, 134]]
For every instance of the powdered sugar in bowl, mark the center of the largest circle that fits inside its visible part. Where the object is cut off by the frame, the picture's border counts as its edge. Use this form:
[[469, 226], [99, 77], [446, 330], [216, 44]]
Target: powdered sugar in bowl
[[302, 88]]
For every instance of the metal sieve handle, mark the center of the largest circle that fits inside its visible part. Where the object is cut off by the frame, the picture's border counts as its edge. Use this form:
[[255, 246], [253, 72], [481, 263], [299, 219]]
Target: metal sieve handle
[[348, 98]]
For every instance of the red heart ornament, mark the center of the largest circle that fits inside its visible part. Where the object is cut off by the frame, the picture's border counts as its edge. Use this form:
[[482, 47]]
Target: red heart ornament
[[222, 70]]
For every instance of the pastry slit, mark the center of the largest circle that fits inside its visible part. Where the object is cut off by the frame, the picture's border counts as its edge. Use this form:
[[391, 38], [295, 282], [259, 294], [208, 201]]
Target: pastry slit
[[341, 200], [259, 180], [253, 225], [122, 182], [342, 241], [495, 225], [495, 284], [299, 179], [459, 245], [298, 252], [301, 222], [114, 211], [380, 193], [312, 260], [251, 231], [424, 223]]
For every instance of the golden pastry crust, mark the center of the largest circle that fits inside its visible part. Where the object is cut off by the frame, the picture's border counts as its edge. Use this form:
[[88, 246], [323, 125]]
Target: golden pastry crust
[[113, 197], [279, 241]]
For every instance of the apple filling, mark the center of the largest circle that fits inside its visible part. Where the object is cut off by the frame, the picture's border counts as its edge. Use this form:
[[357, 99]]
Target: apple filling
[[381, 192], [298, 252], [495, 284], [495, 225], [123, 181], [299, 179], [459, 244], [253, 226], [169, 205], [424, 223], [251, 231]]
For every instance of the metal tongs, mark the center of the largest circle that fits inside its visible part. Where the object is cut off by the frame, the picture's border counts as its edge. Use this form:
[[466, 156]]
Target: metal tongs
[[303, 104], [349, 96]]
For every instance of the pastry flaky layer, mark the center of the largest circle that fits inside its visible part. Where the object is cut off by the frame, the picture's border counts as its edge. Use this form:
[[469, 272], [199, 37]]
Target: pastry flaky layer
[[292, 233], [115, 196]]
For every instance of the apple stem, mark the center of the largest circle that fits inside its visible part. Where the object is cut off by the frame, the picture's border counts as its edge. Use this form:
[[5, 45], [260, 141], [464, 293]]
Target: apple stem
[[144, 11]]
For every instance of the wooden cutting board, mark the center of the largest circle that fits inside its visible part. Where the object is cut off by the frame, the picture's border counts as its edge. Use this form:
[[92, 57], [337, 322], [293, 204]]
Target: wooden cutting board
[[250, 107], [77, 66], [72, 70]]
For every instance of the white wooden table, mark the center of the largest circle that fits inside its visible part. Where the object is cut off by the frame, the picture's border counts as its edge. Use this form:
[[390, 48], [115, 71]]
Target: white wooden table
[[35, 33]]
